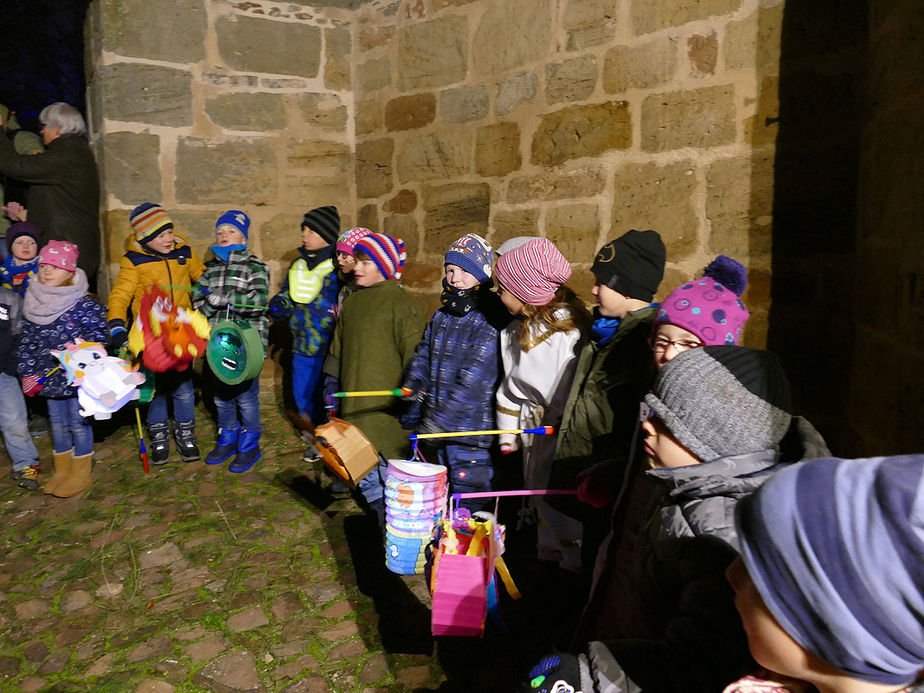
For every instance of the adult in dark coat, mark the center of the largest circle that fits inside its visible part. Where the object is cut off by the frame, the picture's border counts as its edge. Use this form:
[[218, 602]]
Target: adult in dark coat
[[63, 196]]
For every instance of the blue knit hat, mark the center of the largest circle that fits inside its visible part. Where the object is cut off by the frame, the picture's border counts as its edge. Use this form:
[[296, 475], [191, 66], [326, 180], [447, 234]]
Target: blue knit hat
[[473, 254], [836, 549], [237, 219]]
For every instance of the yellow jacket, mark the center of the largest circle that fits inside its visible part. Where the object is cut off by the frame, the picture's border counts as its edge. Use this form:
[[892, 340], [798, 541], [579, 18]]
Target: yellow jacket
[[175, 273]]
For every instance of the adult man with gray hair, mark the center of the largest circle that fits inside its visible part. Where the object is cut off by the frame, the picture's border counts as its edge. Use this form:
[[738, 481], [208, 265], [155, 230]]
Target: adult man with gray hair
[[63, 197]]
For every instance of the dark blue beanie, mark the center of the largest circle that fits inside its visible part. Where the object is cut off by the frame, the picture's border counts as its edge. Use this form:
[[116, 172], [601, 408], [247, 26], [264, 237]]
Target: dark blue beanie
[[836, 549]]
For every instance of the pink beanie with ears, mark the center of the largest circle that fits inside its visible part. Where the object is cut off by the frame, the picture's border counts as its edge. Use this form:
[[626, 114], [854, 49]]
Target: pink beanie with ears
[[61, 254], [533, 271]]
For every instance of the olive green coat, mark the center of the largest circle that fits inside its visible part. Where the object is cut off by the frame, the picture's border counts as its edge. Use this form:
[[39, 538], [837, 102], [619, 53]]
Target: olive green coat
[[374, 341]]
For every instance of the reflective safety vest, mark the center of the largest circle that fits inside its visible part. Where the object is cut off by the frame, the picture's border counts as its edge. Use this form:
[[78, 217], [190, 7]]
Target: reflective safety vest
[[305, 284]]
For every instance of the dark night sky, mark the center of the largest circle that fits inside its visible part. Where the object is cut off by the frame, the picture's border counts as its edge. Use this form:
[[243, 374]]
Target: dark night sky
[[41, 55]]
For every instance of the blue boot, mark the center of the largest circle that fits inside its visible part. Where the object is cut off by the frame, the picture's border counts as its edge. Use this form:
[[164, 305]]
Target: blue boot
[[248, 451], [225, 446]]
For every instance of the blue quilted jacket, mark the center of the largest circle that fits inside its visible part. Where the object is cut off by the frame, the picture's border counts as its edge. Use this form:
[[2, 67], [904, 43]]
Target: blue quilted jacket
[[457, 364]]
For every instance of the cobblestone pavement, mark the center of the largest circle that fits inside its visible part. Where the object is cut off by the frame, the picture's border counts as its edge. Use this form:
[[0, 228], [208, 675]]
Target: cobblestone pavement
[[194, 579]]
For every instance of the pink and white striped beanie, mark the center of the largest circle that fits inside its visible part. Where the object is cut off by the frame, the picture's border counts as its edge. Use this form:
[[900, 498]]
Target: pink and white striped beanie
[[386, 252], [533, 272]]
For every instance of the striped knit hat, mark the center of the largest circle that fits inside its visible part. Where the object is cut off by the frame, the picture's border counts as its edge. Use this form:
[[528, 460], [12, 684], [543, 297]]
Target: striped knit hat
[[324, 221], [533, 271], [347, 240], [149, 219], [834, 548], [386, 252]]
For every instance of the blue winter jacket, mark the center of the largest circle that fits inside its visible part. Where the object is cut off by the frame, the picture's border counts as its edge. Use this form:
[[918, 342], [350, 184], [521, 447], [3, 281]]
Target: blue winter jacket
[[87, 320], [312, 324], [457, 365]]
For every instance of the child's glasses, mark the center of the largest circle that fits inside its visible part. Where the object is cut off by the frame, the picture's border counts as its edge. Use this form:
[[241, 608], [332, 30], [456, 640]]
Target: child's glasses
[[661, 344]]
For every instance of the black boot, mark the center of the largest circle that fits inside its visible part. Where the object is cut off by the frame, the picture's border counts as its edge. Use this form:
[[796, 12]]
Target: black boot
[[160, 443], [185, 435]]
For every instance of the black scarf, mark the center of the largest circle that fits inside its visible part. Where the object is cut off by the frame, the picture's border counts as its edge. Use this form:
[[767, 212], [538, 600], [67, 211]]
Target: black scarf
[[459, 302]]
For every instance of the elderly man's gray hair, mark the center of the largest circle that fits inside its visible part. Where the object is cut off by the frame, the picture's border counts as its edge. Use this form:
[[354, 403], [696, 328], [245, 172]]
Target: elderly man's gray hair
[[64, 116]]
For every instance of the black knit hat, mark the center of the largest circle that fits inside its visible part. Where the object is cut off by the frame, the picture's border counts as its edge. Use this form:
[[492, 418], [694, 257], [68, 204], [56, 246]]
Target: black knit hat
[[632, 264], [324, 221]]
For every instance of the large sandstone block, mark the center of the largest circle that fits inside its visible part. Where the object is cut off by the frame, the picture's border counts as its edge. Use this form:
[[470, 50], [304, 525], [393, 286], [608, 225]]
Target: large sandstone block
[[142, 29], [237, 171], [325, 111], [438, 156], [247, 111], [280, 235], [337, 53], [703, 52], [130, 166], [639, 67], [649, 196], [567, 185], [755, 40], [432, 54], [763, 127], [651, 15], [463, 104], [198, 227], [510, 223], [370, 116], [146, 94], [253, 44], [403, 226], [512, 34], [374, 74], [375, 36], [515, 89], [571, 80], [373, 167], [697, 118], [574, 229], [580, 131], [410, 112], [589, 22], [316, 173], [404, 202], [368, 217], [497, 149], [739, 206], [451, 211]]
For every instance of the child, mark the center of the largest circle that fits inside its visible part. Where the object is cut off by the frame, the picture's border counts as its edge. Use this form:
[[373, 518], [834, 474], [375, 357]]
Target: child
[[373, 343], [538, 352], [20, 266], [614, 370], [13, 419], [158, 257], [703, 312], [454, 371], [235, 283], [346, 244], [58, 310], [718, 415], [308, 301], [830, 582]]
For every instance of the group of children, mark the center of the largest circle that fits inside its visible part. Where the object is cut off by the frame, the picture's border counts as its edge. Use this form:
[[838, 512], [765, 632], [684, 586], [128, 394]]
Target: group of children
[[680, 444]]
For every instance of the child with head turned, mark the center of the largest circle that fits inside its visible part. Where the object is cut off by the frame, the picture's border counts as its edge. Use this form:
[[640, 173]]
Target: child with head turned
[[158, 257], [346, 262], [538, 350], [454, 371], [308, 300], [830, 581], [374, 340], [56, 311]]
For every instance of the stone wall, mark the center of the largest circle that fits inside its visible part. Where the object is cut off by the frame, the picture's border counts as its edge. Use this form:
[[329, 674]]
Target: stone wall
[[205, 106], [571, 119]]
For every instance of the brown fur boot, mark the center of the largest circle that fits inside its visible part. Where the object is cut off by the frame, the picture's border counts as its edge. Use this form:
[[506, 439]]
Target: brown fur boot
[[62, 471], [79, 478]]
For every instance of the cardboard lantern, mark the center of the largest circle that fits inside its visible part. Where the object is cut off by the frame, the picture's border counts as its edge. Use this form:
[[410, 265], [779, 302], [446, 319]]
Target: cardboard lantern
[[345, 449]]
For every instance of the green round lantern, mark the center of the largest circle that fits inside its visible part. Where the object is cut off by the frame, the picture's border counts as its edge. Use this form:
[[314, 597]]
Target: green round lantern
[[235, 351]]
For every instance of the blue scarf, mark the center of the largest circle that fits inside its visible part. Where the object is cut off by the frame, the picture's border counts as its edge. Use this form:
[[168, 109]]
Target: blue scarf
[[223, 252], [604, 329]]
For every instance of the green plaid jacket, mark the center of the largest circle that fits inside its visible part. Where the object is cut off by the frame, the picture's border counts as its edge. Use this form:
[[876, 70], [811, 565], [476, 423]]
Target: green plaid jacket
[[242, 283]]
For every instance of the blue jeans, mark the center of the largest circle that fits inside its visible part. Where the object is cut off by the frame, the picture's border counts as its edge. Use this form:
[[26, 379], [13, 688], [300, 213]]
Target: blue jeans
[[14, 424], [306, 375], [372, 486], [243, 399], [179, 386], [69, 430]]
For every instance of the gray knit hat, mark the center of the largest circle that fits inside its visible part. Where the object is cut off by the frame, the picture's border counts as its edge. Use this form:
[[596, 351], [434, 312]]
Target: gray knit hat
[[723, 400]]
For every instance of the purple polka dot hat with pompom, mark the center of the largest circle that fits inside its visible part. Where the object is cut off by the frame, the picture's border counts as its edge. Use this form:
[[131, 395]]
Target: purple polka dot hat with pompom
[[709, 307]]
